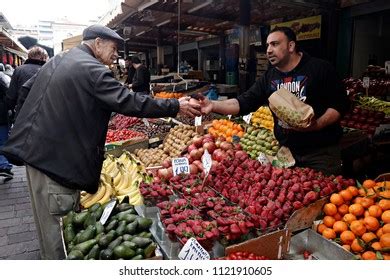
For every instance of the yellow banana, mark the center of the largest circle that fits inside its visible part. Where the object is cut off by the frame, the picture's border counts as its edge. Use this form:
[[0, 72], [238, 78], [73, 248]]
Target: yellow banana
[[123, 183], [137, 200], [107, 195], [95, 197], [85, 197]]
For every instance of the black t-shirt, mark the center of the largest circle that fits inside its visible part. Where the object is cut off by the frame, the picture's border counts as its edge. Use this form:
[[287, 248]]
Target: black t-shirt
[[141, 80], [313, 81]]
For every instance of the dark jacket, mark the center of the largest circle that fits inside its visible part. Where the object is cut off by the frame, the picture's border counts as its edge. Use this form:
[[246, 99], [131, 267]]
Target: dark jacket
[[130, 75], [141, 80], [21, 75], [62, 126], [313, 81]]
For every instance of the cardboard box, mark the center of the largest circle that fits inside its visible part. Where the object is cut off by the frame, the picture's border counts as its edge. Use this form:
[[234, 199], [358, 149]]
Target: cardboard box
[[273, 245]]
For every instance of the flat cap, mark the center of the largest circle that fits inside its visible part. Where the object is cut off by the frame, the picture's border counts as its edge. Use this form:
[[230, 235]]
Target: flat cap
[[97, 30]]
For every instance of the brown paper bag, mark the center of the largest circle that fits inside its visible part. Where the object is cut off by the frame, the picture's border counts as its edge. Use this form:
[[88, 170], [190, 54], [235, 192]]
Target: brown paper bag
[[288, 108]]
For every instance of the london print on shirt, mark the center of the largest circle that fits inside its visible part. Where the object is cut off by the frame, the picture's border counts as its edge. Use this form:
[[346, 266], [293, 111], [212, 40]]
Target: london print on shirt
[[295, 85]]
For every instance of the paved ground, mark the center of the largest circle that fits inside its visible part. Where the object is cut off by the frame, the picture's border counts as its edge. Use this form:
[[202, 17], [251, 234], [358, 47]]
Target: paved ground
[[18, 237]]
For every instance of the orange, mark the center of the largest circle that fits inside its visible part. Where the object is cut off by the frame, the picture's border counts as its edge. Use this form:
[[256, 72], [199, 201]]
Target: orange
[[369, 184], [386, 228], [356, 247], [367, 202], [385, 194], [356, 209], [384, 204], [385, 240], [376, 246], [346, 195], [329, 233], [379, 232], [353, 190], [375, 211], [386, 216], [358, 200], [347, 237], [321, 228], [329, 221], [369, 255], [358, 228], [366, 213], [362, 192], [347, 247], [368, 237], [371, 193], [343, 209], [336, 199], [330, 209], [340, 226], [338, 217], [371, 223], [349, 218]]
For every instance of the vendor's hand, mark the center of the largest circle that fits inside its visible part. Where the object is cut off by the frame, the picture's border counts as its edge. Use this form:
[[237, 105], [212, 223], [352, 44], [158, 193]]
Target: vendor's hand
[[207, 106], [189, 106]]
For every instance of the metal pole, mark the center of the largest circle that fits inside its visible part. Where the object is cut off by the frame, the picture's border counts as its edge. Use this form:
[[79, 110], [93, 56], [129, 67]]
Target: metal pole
[[178, 37]]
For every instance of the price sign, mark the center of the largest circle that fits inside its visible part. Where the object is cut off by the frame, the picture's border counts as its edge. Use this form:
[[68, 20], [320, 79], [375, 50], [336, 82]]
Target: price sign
[[262, 158], [247, 118], [207, 161], [180, 165], [229, 116], [192, 250], [107, 211], [366, 82], [146, 122], [198, 121]]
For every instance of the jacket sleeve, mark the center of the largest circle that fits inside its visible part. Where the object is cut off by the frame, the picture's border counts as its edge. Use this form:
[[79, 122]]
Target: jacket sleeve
[[113, 96], [254, 97], [22, 94]]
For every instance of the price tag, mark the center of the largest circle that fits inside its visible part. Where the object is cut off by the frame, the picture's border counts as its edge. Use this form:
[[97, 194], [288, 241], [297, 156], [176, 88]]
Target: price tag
[[262, 158], [207, 161], [107, 211], [198, 121], [229, 116], [366, 82], [146, 122], [247, 118], [192, 250], [180, 165]]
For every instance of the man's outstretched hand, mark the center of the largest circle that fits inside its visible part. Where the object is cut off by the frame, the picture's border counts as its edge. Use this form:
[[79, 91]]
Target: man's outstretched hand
[[189, 107]]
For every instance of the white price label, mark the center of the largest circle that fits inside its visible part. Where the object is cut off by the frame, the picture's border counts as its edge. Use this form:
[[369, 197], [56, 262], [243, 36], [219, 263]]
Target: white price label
[[192, 250], [180, 165], [207, 161], [198, 121], [229, 116], [146, 122], [107, 211], [262, 158], [366, 82], [247, 118]]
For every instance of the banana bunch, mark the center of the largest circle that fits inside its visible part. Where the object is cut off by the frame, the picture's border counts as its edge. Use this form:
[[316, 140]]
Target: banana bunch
[[263, 118], [103, 194], [373, 103]]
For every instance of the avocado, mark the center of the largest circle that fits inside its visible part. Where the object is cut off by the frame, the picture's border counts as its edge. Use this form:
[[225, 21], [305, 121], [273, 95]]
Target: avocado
[[94, 253], [124, 213], [145, 234], [137, 257], [70, 246], [76, 238], [111, 225], [130, 244], [90, 220], [124, 252], [69, 233], [144, 223], [127, 237], [132, 227], [141, 241], [75, 255], [88, 233], [149, 251], [68, 219], [99, 228], [129, 218], [94, 207], [86, 246], [106, 254], [79, 218], [105, 240], [120, 230], [115, 243], [140, 251], [124, 206]]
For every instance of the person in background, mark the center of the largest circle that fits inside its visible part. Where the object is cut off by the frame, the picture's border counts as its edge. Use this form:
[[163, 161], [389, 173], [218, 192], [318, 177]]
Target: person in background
[[130, 71], [5, 166], [313, 81], [8, 70], [61, 129], [141, 80], [36, 57]]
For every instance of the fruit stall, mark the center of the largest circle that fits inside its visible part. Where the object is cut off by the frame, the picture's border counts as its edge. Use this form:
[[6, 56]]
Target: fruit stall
[[226, 189]]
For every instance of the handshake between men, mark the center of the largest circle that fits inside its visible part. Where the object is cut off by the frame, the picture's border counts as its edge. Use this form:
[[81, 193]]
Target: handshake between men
[[193, 107]]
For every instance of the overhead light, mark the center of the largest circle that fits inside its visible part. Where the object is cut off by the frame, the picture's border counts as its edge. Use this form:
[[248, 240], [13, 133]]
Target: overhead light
[[147, 4], [194, 9], [163, 23], [139, 34]]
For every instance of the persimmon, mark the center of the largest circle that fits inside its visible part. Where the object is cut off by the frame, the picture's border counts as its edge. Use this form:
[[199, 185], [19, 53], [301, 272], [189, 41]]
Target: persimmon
[[386, 228], [368, 237], [349, 218], [369, 255], [371, 223], [353, 190], [358, 228], [340, 226], [330, 209], [369, 184], [338, 217], [375, 211], [356, 247], [329, 221], [346, 195], [347, 237], [385, 240], [386, 217], [321, 228], [379, 232], [384, 204], [329, 233], [366, 202], [343, 209], [376, 246], [356, 209], [336, 199]]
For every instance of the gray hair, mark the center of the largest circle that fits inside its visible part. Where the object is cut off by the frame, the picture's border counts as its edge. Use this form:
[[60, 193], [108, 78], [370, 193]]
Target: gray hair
[[38, 53]]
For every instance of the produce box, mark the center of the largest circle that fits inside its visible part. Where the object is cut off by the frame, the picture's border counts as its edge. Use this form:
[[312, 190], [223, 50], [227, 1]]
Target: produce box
[[317, 247], [117, 150], [304, 217], [273, 245]]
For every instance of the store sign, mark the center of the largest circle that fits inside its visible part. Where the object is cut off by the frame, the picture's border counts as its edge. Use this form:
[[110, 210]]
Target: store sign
[[180, 165], [305, 28], [192, 250]]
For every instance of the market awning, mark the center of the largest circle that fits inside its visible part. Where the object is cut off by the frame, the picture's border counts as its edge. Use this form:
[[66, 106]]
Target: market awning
[[11, 44]]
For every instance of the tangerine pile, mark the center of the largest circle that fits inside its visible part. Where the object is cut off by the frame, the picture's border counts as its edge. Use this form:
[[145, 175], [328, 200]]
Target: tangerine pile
[[226, 128], [360, 219]]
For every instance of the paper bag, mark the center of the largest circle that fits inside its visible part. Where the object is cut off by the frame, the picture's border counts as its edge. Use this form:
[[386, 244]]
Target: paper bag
[[288, 108]]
